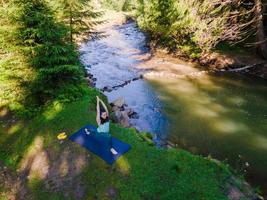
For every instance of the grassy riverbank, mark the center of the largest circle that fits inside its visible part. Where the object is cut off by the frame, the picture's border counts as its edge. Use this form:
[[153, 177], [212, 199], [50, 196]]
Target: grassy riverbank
[[41, 167]]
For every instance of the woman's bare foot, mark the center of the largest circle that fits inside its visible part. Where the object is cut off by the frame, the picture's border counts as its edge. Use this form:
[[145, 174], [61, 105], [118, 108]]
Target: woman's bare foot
[[87, 132], [113, 151]]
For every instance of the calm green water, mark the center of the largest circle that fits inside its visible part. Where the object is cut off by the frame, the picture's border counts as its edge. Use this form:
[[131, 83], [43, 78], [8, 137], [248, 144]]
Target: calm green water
[[224, 115]]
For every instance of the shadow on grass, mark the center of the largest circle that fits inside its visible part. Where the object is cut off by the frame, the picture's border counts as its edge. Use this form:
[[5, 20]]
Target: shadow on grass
[[32, 149], [46, 169]]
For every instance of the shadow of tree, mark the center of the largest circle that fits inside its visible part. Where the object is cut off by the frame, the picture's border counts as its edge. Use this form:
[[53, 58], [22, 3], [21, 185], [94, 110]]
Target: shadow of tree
[[34, 151]]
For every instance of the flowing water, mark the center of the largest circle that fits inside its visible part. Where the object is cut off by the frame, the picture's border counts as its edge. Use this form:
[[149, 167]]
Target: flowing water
[[112, 60], [223, 114]]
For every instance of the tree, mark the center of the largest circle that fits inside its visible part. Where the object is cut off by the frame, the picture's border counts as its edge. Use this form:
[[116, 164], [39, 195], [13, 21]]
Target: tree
[[15, 72], [79, 17], [194, 26], [260, 35], [38, 64], [43, 40]]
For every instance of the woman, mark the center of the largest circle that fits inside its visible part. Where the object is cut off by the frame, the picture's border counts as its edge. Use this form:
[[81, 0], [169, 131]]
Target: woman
[[102, 119]]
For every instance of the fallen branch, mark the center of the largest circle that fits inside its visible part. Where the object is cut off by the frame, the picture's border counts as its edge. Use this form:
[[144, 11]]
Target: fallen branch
[[245, 67]]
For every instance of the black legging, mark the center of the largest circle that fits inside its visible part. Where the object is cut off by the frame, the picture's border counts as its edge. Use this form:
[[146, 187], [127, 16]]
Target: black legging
[[99, 135]]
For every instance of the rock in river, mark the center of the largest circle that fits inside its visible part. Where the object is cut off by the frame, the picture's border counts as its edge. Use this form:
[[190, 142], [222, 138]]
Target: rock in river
[[123, 118], [119, 102]]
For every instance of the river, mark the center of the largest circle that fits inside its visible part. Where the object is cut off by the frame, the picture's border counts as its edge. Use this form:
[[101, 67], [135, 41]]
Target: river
[[219, 114]]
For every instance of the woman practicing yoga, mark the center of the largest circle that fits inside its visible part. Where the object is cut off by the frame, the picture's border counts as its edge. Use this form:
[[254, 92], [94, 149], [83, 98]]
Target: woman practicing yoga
[[102, 119]]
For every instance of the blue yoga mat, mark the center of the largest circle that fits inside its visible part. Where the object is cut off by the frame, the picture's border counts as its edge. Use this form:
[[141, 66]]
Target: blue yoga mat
[[98, 145]]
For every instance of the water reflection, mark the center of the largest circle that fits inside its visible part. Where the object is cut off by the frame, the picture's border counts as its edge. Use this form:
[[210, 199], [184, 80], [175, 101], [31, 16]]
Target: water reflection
[[219, 114]]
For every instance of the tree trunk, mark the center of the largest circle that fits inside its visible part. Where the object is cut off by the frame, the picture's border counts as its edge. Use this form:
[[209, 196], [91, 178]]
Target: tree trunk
[[260, 35], [71, 23]]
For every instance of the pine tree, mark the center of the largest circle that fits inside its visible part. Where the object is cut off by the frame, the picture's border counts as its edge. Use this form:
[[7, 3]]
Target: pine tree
[[194, 26], [37, 63], [15, 73], [79, 16], [43, 40]]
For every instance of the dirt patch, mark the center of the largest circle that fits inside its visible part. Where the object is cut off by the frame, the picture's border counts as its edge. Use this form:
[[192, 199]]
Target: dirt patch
[[14, 184], [59, 169], [214, 61], [225, 60]]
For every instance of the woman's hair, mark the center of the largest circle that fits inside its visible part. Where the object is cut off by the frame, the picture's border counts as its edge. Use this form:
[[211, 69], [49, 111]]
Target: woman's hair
[[102, 110], [103, 121]]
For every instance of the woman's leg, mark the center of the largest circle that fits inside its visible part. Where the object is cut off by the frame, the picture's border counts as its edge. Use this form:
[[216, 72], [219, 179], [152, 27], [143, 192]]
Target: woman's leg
[[104, 137], [113, 151], [110, 141], [91, 130]]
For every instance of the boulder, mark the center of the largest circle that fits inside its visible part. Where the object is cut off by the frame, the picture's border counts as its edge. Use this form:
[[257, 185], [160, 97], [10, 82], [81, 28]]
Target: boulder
[[107, 89], [134, 115], [125, 120], [119, 102], [118, 114], [114, 108], [90, 82], [122, 118], [90, 75], [129, 111]]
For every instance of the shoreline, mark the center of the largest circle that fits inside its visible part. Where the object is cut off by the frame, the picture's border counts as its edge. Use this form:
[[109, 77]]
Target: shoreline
[[159, 56], [246, 63], [36, 164]]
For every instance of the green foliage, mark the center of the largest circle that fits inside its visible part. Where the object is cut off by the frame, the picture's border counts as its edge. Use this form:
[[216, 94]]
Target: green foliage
[[55, 62], [120, 5], [78, 16], [14, 71], [37, 63], [113, 4], [129, 5], [191, 26]]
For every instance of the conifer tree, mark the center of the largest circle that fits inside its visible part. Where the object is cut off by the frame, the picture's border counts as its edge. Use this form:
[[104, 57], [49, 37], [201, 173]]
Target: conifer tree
[[37, 62], [79, 16], [43, 41], [15, 73]]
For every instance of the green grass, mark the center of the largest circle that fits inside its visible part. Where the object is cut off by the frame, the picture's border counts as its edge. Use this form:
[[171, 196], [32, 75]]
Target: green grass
[[143, 173]]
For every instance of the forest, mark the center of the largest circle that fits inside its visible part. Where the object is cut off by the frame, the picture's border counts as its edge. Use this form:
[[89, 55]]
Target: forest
[[39, 59], [156, 64]]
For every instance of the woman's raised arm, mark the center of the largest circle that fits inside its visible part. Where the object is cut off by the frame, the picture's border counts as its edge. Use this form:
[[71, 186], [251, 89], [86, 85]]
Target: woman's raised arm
[[97, 111], [104, 105]]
